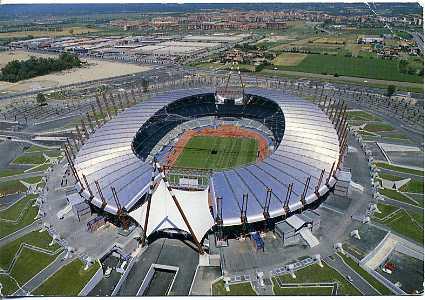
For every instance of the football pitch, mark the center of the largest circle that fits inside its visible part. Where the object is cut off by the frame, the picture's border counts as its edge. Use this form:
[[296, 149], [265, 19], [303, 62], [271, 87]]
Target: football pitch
[[217, 153]]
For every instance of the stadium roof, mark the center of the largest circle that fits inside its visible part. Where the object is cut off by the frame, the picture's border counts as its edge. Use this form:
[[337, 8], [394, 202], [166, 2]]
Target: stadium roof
[[309, 145]]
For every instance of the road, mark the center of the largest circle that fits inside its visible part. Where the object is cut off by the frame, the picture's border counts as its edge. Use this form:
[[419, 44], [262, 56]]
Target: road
[[362, 285], [407, 206], [419, 40]]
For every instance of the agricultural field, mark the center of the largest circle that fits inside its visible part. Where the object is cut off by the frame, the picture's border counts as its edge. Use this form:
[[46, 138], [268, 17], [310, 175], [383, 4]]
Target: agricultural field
[[48, 33], [209, 152], [289, 59], [353, 66]]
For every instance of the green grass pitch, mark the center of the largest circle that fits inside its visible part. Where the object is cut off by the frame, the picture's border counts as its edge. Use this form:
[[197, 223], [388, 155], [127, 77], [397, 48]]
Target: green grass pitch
[[217, 153]]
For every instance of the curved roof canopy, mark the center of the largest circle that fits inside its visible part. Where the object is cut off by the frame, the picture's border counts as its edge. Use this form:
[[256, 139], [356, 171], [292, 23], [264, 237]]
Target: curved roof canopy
[[164, 213], [309, 145]]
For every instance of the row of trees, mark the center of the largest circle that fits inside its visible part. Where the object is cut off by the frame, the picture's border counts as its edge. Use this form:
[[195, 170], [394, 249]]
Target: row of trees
[[17, 70]]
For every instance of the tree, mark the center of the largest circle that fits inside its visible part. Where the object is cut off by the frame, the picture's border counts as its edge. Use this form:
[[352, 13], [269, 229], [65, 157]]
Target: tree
[[36, 66], [391, 90], [41, 99]]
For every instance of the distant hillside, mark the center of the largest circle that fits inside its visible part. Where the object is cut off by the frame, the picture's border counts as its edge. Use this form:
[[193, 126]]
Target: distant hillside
[[11, 11]]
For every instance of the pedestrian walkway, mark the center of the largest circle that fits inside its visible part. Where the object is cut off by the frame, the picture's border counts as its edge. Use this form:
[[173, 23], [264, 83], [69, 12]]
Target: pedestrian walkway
[[266, 290], [356, 280], [22, 176], [20, 233], [38, 279]]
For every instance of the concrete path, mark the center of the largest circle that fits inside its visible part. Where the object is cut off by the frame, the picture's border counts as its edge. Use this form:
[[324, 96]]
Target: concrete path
[[17, 234], [381, 252], [266, 290], [362, 285], [407, 206], [38, 279], [22, 176]]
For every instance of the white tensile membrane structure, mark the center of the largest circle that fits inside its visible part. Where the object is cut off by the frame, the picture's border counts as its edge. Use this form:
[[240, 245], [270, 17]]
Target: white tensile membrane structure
[[164, 214]]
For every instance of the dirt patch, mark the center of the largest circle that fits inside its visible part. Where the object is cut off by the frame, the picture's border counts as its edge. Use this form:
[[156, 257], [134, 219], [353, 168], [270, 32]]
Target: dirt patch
[[44, 33], [95, 69], [289, 59]]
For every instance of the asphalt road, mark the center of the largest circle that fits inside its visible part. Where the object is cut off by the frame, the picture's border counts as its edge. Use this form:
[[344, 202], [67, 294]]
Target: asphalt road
[[362, 285]]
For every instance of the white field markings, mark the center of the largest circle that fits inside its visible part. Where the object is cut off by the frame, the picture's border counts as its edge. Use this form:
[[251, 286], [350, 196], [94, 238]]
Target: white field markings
[[303, 285], [397, 215], [389, 216], [22, 211], [37, 166], [23, 246], [414, 220]]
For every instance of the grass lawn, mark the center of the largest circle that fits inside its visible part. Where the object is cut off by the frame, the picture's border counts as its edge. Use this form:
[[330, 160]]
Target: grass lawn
[[12, 213], [362, 116], [11, 187], [32, 180], [413, 186], [404, 224], [383, 290], [390, 177], [210, 152], [68, 281], [239, 289], [35, 148], [34, 158], [35, 238], [213, 65], [42, 167], [395, 135], [10, 172], [289, 59], [385, 210], [316, 274], [419, 217], [375, 127], [393, 194], [399, 169], [8, 285], [301, 291], [364, 133], [53, 153], [29, 264], [353, 66]]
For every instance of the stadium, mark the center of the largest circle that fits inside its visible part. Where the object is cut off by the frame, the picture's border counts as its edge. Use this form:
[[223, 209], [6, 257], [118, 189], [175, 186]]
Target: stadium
[[205, 158]]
